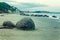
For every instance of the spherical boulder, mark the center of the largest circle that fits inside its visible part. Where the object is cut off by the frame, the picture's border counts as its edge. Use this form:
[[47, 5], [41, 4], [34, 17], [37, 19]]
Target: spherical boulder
[[8, 24], [25, 24]]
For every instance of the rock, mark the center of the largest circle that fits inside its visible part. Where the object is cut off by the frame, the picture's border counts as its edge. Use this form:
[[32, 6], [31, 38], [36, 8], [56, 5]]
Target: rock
[[32, 14], [36, 15], [25, 24], [8, 24], [54, 16], [45, 16], [26, 14], [22, 14], [40, 15]]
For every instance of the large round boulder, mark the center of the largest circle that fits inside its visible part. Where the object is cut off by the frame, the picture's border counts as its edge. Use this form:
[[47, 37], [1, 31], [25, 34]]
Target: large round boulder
[[8, 24], [25, 24]]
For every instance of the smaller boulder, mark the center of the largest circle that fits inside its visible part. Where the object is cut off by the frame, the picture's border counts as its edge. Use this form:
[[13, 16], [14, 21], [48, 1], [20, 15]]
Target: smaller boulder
[[26, 14], [32, 14], [25, 24], [40, 15], [8, 24], [54, 16], [45, 16]]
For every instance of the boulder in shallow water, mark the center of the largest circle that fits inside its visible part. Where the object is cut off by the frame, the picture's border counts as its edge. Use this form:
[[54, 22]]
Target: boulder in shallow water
[[25, 24], [45, 16], [26, 14], [8, 24], [54, 16]]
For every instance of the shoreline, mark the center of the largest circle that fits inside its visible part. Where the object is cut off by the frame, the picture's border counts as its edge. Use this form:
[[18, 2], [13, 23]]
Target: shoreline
[[46, 28]]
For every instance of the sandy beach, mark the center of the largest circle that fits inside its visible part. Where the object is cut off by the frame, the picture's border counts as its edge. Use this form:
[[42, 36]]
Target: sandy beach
[[46, 28]]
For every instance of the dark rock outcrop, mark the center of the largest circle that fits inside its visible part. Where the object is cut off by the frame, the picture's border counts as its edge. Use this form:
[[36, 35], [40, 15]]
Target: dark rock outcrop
[[25, 24]]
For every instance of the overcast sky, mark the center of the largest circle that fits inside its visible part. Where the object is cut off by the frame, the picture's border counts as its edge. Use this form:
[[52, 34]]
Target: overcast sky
[[46, 2], [53, 5]]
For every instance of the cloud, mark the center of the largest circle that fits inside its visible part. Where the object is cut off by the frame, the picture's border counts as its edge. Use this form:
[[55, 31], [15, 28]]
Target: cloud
[[46, 2], [28, 5], [6, 0]]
